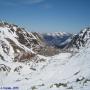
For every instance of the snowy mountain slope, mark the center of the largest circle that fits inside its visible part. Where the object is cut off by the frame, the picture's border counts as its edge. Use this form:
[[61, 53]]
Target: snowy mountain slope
[[61, 72], [51, 43], [19, 45], [23, 69], [16, 43], [57, 39], [80, 39]]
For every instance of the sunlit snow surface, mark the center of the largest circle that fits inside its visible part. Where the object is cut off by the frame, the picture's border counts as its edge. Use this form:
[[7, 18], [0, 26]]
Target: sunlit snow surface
[[71, 71], [66, 71]]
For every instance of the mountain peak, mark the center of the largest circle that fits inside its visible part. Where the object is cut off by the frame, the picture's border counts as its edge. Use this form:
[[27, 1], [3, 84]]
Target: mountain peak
[[80, 39]]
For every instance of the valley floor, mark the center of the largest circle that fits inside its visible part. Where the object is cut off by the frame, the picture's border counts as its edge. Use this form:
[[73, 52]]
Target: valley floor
[[60, 72]]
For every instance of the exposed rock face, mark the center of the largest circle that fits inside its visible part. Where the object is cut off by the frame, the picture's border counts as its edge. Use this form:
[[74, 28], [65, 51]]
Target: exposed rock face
[[80, 39], [4, 68], [14, 41]]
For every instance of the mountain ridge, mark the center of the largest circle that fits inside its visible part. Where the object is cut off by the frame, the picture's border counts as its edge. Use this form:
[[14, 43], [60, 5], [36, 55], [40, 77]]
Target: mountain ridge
[[29, 62]]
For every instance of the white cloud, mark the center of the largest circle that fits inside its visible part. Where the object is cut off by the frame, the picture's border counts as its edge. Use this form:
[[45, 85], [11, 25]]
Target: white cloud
[[32, 1], [18, 2]]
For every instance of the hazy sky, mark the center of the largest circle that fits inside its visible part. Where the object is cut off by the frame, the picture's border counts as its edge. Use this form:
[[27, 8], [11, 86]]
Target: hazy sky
[[47, 15]]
